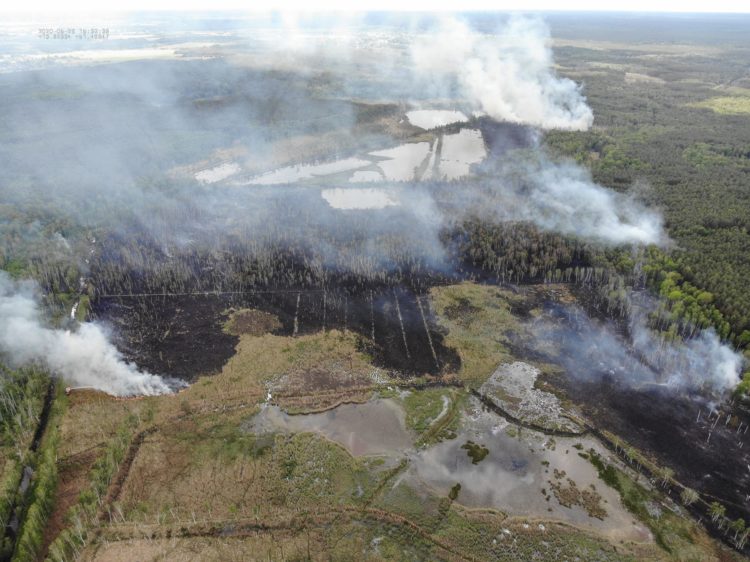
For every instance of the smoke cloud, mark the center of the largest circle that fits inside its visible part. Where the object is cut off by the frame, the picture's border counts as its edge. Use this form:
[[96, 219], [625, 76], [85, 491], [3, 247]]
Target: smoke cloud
[[507, 75], [590, 349], [562, 197], [164, 171], [83, 357], [699, 362]]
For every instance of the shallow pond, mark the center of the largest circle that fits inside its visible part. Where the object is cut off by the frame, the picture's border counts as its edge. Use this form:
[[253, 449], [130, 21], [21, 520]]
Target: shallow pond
[[519, 466], [459, 152], [218, 173], [403, 161], [299, 172], [358, 198], [517, 471], [373, 428], [433, 118]]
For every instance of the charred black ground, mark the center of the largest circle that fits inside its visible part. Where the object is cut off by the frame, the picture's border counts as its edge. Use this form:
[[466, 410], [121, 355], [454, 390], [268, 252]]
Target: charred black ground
[[182, 335], [682, 429]]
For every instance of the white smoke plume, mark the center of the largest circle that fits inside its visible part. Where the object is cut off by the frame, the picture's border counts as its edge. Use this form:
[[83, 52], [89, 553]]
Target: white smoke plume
[[562, 197], [702, 361], [508, 75], [590, 349], [84, 357], [699, 362]]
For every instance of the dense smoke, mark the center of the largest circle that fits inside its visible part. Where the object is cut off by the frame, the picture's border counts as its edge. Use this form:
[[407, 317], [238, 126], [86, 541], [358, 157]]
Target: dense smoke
[[590, 349], [699, 362], [562, 197], [137, 177], [84, 357], [155, 123], [507, 75]]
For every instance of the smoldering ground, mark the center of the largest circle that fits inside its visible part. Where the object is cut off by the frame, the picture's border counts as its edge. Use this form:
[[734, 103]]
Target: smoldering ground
[[664, 398], [639, 357]]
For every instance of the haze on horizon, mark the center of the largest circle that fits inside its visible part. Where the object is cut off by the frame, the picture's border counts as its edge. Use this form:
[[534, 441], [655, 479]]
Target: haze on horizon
[[636, 6]]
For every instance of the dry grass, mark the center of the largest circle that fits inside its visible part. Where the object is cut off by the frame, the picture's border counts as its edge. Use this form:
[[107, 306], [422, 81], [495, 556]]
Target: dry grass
[[339, 534], [212, 469], [737, 103], [93, 418], [325, 370], [477, 318], [252, 322], [73, 473], [305, 372], [261, 547]]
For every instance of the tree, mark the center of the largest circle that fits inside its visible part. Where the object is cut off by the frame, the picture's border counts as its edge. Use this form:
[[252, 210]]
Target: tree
[[689, 496], [717, 512], [744, 386], [738, 525], [665, 475]]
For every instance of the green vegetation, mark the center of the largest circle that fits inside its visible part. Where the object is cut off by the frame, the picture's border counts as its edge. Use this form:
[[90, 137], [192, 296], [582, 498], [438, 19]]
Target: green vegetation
[[727, 105], [434, 413], [15, 267], [21, 399], [85, 513], [678, 534], [423, 407], [476, 451], [477, 318], [84, 305], [40, 497], [12, 472], [744, 387], [694, 164], [22, 394], [702, 155], [684, 306]]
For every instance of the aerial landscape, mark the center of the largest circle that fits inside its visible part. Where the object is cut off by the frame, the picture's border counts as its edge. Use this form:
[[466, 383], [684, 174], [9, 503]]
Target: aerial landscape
[[384, 285]]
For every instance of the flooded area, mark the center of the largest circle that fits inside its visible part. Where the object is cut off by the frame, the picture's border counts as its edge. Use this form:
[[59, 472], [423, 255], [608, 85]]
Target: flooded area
[[359, 198], [218, 173], [299, 172], [434, 118], [459, 152], [525, 473], [443, 157], [403, 162], [498, 465], [361, 176], [373, 428]]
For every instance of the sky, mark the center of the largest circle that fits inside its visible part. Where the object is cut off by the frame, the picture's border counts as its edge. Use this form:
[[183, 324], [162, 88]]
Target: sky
[[72, 6]]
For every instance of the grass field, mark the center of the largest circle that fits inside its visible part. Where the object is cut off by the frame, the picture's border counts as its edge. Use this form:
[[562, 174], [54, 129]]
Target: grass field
[[477, 318], [737, 104]]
